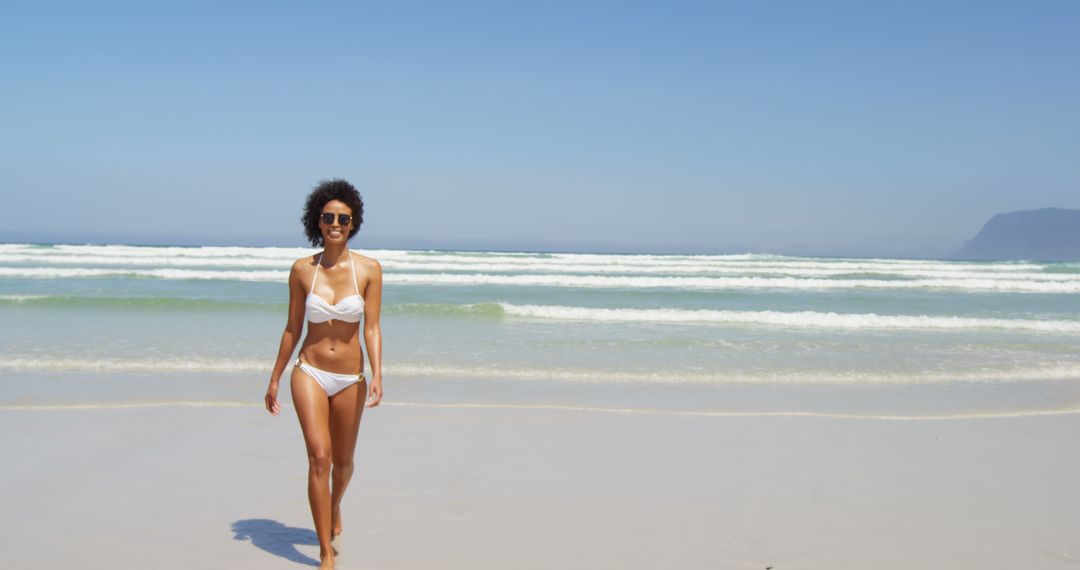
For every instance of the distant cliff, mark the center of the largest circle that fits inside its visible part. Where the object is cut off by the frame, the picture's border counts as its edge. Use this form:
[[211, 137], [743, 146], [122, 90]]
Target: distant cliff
[[1049, 234]]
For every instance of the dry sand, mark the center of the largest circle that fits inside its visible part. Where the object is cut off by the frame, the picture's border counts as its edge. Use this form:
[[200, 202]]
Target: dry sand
[[205, 487]]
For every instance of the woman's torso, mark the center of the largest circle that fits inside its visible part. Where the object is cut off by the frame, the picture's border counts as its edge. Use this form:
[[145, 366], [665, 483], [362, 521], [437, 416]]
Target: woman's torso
[[333, 309]]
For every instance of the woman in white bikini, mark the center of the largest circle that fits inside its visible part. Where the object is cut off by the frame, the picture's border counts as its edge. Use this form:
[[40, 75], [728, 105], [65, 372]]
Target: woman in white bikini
[[333, 291]]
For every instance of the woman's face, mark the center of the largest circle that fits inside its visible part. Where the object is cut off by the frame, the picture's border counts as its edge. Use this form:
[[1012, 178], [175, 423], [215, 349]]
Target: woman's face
[[330, 222]]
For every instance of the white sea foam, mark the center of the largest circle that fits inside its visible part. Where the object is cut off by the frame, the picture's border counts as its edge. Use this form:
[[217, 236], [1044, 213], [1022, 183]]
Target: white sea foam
[[133, 405], [676, 265], [1065, 371], [741, 414], [570, 408], [77, 272], [800, 319], [172, 251], [113, 364], [748, 270], [466, 258], [21, 298], [517, 259], [584, 281], [745, 261], [123, 261], [523, 258], [741, 270], [712, 283], [564, 269], [782, 377]]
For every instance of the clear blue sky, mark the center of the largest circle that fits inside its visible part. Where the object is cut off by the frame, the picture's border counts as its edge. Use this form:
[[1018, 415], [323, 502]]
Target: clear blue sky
[[891, 128]]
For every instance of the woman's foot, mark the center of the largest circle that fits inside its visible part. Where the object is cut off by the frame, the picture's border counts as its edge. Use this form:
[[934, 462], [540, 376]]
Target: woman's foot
[[327, 560], [335, 522]]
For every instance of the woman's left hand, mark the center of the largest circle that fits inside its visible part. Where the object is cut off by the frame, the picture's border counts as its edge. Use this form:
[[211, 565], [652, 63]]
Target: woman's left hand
[[374, 395]]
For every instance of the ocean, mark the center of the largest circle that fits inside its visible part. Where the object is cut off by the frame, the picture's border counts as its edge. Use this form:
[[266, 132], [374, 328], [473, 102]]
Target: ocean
[[116, 325]]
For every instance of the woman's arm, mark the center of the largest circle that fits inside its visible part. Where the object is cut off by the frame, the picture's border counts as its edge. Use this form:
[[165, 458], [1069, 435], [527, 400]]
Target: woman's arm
[[294, 327], [373, 332]]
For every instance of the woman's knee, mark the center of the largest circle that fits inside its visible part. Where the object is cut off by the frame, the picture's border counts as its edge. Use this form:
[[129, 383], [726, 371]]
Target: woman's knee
[[343, 466], [319, 461]]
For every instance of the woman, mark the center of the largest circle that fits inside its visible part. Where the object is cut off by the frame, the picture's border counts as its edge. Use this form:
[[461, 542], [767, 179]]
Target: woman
[[331, 290]]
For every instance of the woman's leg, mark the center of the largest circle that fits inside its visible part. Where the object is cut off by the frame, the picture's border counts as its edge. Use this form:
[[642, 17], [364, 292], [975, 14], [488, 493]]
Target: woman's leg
[[346, 407], [313, 410]]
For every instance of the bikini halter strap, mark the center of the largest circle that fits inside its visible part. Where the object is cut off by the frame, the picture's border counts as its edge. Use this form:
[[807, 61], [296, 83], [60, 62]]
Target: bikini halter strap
[[318, 262], [352, 269]]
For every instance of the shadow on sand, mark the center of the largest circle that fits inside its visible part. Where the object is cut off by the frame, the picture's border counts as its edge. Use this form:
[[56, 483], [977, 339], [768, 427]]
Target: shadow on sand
[[277, 539]]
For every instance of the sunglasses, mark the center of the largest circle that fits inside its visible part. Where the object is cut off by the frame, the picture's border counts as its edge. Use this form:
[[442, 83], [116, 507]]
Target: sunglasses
[[343, 219]]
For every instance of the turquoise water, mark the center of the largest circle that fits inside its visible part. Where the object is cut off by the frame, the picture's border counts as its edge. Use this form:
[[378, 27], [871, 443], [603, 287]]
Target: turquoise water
[[735, 333]]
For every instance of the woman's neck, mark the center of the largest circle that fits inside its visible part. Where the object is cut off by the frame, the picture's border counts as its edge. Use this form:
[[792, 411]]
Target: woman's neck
[[334, 253]]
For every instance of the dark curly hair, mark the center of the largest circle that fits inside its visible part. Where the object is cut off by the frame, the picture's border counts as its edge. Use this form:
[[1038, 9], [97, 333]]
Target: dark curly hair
[[336, 189]]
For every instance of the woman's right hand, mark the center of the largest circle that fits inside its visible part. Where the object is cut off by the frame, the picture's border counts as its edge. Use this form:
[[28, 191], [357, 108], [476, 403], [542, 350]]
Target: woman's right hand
[[272, 404]]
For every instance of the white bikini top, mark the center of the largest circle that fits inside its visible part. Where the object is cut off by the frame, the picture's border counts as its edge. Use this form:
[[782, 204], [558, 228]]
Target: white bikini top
[[318, 310]]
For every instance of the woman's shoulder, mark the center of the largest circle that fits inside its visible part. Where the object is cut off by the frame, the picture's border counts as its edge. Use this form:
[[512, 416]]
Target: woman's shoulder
[[369, 264], [361, 258], [306, 262]]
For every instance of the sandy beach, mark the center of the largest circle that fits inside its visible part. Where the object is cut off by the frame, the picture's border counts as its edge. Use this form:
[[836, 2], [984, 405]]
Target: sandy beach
[[457, 487], [646, 286]]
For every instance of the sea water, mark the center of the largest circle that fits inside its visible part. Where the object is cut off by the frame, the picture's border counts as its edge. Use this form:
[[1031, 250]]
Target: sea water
[[714, 334]]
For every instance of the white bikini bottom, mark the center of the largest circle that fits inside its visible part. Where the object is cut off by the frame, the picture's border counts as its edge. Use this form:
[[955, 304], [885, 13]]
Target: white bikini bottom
[[331, 382]]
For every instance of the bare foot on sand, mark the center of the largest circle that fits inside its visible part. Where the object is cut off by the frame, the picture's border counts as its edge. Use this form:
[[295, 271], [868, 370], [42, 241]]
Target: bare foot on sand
[[327, 559]]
